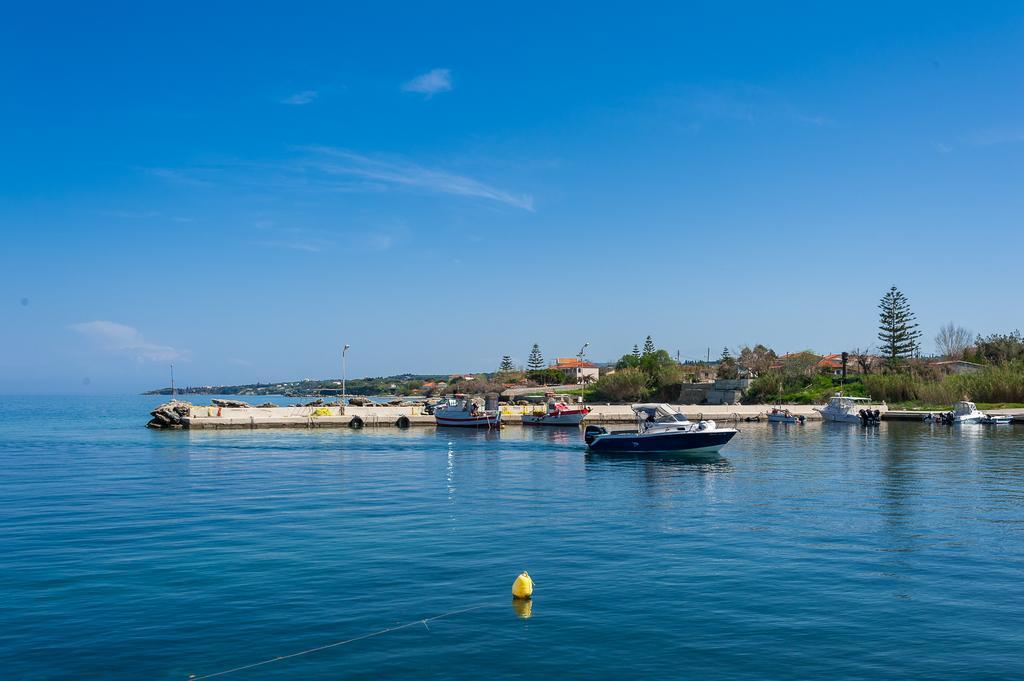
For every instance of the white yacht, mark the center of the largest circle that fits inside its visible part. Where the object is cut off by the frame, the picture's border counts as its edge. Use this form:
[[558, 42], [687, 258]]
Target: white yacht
[[850, 409]]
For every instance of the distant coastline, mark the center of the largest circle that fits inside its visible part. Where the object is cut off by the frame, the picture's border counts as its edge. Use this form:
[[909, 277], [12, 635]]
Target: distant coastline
[[400, 385]]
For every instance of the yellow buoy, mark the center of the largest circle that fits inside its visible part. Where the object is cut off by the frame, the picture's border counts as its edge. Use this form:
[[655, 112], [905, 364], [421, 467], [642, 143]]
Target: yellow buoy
[[523, 586]]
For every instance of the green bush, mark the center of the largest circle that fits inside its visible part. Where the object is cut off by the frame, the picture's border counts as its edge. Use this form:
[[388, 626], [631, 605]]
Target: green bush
[[548, 377], [799, 388], [623, 385], [993, 384]]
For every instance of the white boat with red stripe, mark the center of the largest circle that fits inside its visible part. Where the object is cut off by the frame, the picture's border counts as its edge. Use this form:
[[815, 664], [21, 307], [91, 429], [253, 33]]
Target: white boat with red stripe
[[557, 414], [462, 412]]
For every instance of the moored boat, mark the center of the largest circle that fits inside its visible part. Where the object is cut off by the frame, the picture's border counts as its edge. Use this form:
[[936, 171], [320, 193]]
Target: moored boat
[[557, 414], [964, 413], [660, 428], [780, 415], [462, 411], [844, 409]]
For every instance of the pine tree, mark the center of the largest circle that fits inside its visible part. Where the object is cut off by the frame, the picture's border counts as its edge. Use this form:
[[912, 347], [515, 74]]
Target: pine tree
[[897, 329], [506, 364], [727, 366], [636, 352], [648, 347], [536, 360]]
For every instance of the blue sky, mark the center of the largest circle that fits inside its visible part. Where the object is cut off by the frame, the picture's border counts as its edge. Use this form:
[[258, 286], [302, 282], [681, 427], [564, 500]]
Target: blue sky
[[241, 191]]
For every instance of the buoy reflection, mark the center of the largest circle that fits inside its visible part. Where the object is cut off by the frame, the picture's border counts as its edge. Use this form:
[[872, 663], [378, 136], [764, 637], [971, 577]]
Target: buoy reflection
[[523, 608]]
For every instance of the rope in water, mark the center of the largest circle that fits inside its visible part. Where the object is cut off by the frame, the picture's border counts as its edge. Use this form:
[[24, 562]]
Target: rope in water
[[193, 677]]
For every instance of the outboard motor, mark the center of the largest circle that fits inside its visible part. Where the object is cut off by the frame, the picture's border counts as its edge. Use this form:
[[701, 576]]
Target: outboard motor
[[591, 433], [869, 417]]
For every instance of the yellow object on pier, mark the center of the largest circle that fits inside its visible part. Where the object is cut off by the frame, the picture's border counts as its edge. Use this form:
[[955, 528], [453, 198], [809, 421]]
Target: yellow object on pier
[[523, 586]]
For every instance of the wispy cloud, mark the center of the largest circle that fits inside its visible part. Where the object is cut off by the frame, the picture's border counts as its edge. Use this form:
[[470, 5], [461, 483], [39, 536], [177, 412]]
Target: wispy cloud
[[324, 170], [992, 136], [430, 83], [363, 236], [396, 172], [987, 137], [300, 98], [179, 177], [738, 102], [145, 215], [122, 339], [290, 238], [303, 245]]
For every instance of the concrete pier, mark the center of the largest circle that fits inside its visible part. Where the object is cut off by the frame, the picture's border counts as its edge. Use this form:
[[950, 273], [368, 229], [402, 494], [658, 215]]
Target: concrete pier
[[240, 418]]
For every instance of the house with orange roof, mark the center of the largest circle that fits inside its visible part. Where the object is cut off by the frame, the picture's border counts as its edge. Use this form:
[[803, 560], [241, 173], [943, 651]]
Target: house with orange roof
[[576, 370]]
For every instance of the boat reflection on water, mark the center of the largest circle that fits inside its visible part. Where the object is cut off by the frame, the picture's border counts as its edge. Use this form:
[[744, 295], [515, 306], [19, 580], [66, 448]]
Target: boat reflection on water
[[711, 461], [542, 436], [468, 434], [523, 608], [551, 435], [663, 475]]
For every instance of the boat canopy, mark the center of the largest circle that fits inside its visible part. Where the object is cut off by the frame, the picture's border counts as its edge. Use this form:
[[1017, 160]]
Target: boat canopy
[[840, 398], [660, 413], [964, 407]]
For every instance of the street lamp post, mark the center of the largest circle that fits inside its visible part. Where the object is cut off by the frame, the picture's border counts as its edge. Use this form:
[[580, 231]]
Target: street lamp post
[[344, 350], [580, 355]]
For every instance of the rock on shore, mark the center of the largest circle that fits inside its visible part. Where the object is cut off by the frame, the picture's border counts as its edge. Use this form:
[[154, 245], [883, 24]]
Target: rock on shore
[[169, 414]]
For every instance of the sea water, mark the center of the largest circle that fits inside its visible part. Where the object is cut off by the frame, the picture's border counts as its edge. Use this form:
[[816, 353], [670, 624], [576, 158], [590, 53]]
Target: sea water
[[824, 551]]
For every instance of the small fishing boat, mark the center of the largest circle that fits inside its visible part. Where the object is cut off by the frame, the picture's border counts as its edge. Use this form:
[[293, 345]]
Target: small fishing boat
[[462, 411], [997, 420], [780, 415], [660, 428], [557, 414]]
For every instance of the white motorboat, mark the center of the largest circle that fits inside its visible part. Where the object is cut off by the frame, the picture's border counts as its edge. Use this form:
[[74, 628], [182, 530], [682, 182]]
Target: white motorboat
[[845, 409], [967, 412], [997, 420], [963, 412], [462, 411], [660, 428], [557, 414]]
